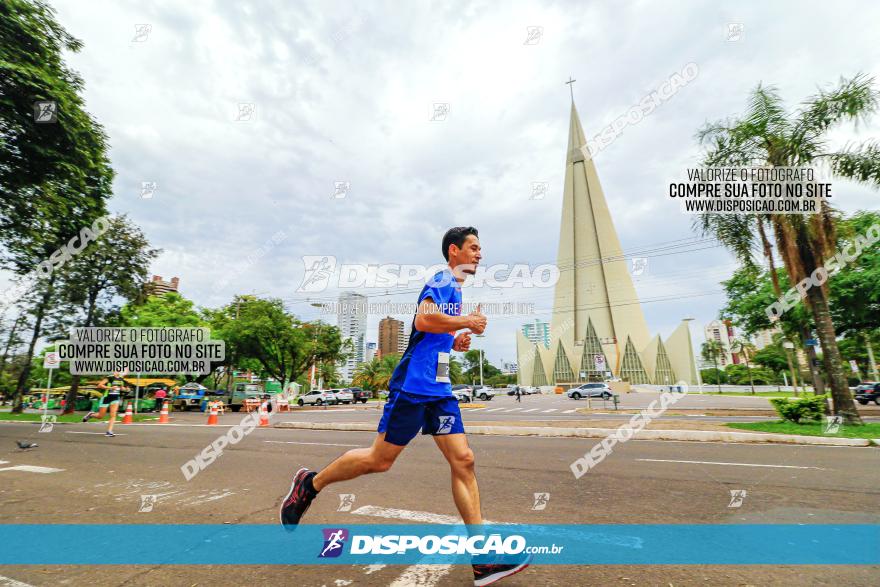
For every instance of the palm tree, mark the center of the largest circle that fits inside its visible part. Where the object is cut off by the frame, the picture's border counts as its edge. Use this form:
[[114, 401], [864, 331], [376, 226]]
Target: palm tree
[[769, 136], [743, 347], [711, 350], [376, 374]]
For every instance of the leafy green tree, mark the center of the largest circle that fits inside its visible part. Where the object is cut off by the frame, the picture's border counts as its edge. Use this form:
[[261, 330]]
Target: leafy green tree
[[711, 350], [115, 266], [170, 310], [768, 135], [375, 375], [854, 290]]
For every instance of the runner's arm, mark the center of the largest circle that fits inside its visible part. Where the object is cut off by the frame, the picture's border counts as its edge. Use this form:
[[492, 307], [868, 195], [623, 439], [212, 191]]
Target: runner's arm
[[430, 319]]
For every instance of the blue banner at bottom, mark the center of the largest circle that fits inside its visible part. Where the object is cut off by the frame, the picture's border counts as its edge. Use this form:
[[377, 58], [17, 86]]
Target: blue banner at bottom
[[312, 544]]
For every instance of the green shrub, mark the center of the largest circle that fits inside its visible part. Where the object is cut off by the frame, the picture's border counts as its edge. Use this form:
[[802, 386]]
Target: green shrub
[[809, 408]]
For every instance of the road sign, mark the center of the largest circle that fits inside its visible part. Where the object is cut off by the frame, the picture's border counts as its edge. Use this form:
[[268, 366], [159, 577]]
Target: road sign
[[51, 361], [811, 342], [600, 362], [854, 366]]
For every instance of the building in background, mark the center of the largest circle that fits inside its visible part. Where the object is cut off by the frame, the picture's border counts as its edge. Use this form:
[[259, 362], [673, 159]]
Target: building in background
[[596, 331], [537, 332], [393, 336], [370, 352], [352, 322], [722, 331], [157, 287], [508, 368]]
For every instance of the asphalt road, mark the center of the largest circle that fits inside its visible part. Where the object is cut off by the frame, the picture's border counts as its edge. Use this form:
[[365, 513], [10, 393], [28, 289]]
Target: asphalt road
[[101, 480]]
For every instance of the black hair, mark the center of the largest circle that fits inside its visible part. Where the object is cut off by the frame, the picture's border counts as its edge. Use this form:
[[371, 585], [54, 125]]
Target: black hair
[[456, 236]]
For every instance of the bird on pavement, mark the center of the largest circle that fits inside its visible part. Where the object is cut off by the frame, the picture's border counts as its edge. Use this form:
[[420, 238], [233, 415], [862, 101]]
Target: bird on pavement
[[25, 445]]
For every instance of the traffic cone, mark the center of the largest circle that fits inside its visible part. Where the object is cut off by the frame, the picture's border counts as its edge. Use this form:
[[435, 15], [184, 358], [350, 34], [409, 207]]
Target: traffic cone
[[212, 415], [129, 416], [163, 415], [264, 415]]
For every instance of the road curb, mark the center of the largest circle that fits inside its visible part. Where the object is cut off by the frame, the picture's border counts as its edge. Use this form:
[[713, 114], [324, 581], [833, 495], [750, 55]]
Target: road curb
[[548, 432]]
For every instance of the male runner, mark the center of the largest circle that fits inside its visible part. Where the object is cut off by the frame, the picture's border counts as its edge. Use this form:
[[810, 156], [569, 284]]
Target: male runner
[[421, 398], [113, 387]]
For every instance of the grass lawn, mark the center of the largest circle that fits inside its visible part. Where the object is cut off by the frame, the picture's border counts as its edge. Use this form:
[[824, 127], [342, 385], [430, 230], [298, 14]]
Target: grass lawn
[[5, 415], [811, 429]]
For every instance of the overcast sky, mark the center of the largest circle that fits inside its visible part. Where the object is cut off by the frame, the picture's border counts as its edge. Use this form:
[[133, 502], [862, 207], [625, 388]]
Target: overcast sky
[[345, 92]]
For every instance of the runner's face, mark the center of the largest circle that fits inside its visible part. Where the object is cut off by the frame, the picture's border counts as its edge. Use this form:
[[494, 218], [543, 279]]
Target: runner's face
[[465, 260]]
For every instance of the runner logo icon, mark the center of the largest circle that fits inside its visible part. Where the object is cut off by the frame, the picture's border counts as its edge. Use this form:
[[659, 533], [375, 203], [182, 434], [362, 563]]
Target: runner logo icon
[[334, 540], [446, 424]]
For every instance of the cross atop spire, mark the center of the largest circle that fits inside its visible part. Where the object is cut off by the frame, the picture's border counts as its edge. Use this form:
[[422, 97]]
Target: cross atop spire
[[570, 86]]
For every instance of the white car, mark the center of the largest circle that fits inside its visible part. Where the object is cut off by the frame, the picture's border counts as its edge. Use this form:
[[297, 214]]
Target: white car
[[590, 390], [317, 397], [343, 395], [484, 392]]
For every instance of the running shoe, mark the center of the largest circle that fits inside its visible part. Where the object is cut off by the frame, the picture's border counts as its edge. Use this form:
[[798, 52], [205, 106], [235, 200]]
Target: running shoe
[[108, 433], [297, 501], [488, 574], [87, 416]]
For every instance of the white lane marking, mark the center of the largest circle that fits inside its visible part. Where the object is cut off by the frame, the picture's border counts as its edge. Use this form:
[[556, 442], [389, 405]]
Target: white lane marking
[[316, 443], [550, 410], [370, 569], [31, 469], [8, 582], [414, 516], [421, 575], [3, 462], [532, 410], [730, 464], [329, 411], [99, 433], [514, 409], [477, 409], [569, 411], [495, 410]]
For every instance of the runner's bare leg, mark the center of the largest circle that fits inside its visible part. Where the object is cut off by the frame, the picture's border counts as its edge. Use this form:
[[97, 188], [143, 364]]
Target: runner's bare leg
[[464, 478], [358, 461]]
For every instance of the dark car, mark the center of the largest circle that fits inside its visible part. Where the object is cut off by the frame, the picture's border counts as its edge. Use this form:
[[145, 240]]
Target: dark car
[[869, 392], [360, 395]]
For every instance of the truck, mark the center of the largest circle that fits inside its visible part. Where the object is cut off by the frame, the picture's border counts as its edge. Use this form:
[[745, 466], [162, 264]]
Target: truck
[[242, 391]]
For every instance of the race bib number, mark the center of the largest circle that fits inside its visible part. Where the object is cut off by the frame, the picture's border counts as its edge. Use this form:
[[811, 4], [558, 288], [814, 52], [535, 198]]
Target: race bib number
[[443, 368]]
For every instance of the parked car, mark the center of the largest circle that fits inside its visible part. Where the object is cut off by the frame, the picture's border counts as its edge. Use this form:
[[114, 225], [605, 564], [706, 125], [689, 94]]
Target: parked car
[[464, 393], [242, 391], [360, 395], [188, 397], [343, 396], [317, 397], [484, 392], [868, 392], [590, 390]]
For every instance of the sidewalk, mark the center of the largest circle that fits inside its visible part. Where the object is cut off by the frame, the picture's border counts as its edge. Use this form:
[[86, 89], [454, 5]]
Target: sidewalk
[[677, 430]]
